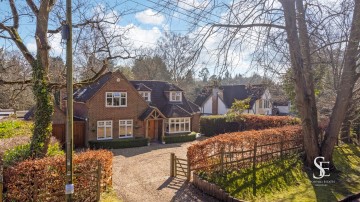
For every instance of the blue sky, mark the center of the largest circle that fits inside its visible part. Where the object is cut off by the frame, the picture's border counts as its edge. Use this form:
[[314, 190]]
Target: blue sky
[[148, 21]]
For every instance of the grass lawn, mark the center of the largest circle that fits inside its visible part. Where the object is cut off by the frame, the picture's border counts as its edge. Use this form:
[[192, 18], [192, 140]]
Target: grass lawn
[[109, 196], [12, 128], [288, 181]]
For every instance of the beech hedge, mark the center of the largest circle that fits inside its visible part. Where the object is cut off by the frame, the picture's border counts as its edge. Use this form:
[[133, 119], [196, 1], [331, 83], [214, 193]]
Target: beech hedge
[[44, 179], [217, 124], [200, 154]]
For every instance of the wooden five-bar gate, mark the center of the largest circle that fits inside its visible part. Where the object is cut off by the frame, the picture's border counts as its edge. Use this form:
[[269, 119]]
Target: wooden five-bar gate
[[179, 167]]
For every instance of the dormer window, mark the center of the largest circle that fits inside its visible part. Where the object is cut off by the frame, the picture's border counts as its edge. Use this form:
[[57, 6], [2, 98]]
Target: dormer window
[[175, 96], [146, 95]]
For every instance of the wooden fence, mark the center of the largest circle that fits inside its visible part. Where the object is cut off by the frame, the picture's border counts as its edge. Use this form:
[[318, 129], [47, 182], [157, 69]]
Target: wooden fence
[[226, 160]]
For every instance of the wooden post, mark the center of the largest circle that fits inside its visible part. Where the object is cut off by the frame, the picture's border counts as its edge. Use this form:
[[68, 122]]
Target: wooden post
[[175, 167], [281, 147], [1, 191], [188, 170], [98, 182], [254, 169], [172, 163], [222, 160]]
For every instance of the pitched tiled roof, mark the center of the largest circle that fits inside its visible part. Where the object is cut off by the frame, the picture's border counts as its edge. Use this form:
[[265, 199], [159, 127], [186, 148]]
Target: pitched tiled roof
[[142, 87], [85, 93], [161, 101], [158, 96], [232, 92], [202, 96]]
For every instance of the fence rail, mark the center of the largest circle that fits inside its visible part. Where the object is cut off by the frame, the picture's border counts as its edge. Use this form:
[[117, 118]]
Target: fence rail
[[250, 158]]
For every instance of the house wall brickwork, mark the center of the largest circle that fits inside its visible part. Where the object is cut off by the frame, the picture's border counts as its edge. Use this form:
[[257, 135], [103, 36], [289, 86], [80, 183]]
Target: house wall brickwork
[[195, 122], [97, 111]]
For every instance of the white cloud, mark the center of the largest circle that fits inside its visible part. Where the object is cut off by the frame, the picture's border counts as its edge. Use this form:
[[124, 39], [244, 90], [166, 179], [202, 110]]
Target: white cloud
[[145, 38], [54, 42], [150, 17]]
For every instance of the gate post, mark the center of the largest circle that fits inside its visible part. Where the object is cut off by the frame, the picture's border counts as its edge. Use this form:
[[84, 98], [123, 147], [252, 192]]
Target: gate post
[[98, 182], [188, 170], [172, 163]]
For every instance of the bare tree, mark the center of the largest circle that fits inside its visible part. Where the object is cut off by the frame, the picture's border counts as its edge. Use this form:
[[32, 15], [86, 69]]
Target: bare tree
[[288, 33], [96, 26]]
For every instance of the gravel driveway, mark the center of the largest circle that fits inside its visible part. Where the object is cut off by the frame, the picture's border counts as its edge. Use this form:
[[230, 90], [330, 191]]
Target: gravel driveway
[[142, 174]]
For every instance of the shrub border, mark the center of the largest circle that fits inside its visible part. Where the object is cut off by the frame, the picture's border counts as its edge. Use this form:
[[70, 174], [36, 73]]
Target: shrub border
[[179, 138]]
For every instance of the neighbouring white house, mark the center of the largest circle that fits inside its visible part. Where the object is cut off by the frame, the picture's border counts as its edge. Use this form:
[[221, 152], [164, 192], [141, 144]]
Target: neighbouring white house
[[219, 99]]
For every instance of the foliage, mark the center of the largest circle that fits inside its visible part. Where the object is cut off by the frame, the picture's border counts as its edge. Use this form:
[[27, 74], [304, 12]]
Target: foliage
[[179, 138], [280, 182], [199, 153], [214, 125], [44, 179], [150, 68], [12, 128], [237, 108], [22, 152], [119, 143]]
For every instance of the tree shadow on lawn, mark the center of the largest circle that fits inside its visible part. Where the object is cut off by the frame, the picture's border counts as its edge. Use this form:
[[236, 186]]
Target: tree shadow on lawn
[[342, 182]]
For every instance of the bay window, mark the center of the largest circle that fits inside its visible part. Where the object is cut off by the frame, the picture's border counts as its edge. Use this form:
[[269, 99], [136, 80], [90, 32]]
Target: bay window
[[178, 125]]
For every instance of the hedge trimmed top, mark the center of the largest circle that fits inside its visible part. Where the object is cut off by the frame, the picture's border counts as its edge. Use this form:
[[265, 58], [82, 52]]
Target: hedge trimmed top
[[217, 124]]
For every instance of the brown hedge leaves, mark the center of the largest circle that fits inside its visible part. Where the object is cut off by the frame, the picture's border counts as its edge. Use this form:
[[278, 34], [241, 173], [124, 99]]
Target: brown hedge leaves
[[44, 179], [201, 155]]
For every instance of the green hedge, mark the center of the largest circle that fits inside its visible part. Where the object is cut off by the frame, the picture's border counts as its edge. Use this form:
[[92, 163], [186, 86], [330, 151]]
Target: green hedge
[[214, 125], [118, 143], [179, 138], [217, 124]]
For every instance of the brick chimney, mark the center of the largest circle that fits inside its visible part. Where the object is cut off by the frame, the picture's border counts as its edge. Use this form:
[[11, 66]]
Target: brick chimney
[[215, 95]]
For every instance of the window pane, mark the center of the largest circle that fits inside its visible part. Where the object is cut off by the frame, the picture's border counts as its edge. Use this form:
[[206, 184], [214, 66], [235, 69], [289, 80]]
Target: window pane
[[109, 95], [116, 101], [187, 127], [117, 94], [129, 130], [108, 131], [108, 123], [109, 101], [123, 95], [122, 131], [123, 101], [100, 132]]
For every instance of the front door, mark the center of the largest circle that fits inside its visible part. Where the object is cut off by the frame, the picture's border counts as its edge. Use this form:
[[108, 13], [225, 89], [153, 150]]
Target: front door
[[155, 130], [151, 130]]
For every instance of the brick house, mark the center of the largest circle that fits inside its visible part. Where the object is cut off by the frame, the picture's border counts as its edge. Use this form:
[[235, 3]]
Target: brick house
[[219, 99], [115, 108]]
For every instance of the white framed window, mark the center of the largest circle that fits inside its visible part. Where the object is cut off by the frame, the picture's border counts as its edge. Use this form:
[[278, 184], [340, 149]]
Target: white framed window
[[104, 130], [267, 104], [125, 128], [175, 96], [146, 95], [260, 104], [116, 99], [178, 125]]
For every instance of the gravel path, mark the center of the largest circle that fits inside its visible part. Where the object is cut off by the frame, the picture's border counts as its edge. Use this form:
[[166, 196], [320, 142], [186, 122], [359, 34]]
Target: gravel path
[[142, 174]]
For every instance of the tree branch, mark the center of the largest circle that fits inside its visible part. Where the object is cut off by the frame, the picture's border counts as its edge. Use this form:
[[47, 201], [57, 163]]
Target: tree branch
[[249, 25], [3, 82], [33, 7], [14, 13]]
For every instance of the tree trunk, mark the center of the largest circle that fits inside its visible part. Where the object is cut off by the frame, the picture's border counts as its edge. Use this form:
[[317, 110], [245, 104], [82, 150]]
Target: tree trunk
[[298, 41], [44, 107], [346, 86], [345, 129]]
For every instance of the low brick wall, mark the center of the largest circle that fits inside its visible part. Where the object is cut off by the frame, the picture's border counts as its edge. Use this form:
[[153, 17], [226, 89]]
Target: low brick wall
[[213, 190]]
